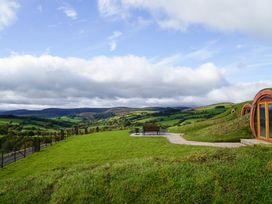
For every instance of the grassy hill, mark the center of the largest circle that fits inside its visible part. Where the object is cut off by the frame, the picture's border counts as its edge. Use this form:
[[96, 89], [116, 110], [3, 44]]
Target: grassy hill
[[228, 126], [52, 112], [84, 112], [111, 167], [213, 123], [165, 117], [14, 125]]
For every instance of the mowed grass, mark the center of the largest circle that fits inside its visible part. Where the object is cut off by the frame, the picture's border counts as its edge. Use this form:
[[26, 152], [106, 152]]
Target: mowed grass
[[111, 167], [94, 149]]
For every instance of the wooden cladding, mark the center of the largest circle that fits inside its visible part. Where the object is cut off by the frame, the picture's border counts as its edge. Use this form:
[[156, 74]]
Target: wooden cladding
[[246, 109], [261, 114]]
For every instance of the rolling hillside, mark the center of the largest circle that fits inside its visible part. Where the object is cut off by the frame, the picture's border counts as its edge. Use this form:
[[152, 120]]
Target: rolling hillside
[[11, 123], [228, 126], [217, 123], [58, 112], [113, 167], [53, 112]]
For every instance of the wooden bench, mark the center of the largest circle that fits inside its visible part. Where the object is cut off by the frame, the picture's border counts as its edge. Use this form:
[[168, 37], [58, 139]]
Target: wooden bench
[[151, 128]]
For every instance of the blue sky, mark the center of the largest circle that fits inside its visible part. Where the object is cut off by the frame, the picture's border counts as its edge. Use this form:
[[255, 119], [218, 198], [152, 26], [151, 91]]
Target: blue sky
[[133, 53]]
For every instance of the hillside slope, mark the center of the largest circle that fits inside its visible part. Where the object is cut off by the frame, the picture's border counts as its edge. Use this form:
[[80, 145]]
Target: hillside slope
[[225, 127], [112, 167]]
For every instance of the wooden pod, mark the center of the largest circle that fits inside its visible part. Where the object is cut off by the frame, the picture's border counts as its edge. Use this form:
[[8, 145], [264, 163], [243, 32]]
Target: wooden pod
[[246, 109], [262, 96]]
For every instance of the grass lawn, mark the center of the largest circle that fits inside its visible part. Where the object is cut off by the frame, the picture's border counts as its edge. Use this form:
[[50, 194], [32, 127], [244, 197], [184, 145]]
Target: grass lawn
[[93, 149], [111, 167]]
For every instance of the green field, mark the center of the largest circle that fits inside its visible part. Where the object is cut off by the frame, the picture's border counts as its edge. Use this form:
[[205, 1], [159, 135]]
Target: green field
[[166, 117], [113, 167], [8, 120], [69, 119]]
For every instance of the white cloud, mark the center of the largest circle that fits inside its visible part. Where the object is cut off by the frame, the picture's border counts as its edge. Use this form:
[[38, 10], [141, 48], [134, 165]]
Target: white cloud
[[115, 35], [238, 92], [130, 80], [69, 11], [113, 40], [203, 53], [50, 81], [252, 17], [113, 46], [8, 10], [111, 8]]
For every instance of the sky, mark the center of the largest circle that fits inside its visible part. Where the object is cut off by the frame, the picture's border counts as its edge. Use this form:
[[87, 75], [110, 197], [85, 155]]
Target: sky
[[134, 53]]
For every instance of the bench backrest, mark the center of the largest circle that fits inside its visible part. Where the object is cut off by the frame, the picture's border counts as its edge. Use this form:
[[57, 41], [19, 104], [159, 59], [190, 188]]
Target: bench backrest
[[151, 128]]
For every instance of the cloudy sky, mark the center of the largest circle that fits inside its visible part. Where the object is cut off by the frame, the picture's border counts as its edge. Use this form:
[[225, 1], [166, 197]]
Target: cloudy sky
[[104, 53]]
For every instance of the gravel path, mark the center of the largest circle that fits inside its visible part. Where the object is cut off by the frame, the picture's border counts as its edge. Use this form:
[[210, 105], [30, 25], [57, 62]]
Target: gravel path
[[178, 139]]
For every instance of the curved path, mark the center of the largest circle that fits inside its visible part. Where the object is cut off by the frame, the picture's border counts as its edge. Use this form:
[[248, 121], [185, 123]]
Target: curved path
[[175, 138], [178, 139]]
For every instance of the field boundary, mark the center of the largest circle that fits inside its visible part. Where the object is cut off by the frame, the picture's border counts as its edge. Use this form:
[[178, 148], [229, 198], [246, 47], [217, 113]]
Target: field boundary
[[36, 145]]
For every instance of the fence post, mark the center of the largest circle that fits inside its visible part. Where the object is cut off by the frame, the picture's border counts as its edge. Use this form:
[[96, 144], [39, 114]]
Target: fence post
[[24, 147], [62, 134], [32, 144], [37, 144], [14, 154], [77, 130], [2, 159], [44, 140]]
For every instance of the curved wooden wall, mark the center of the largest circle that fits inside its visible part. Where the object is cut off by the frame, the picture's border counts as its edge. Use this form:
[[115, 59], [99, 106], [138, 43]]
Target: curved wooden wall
[[246, 109], [263, 95]]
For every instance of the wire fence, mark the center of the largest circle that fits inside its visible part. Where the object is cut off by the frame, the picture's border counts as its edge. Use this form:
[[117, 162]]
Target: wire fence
[[14, 148]]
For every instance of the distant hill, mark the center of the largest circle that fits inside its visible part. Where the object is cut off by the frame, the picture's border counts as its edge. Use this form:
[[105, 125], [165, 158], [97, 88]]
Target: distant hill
[[83, 112], [53, 112]]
